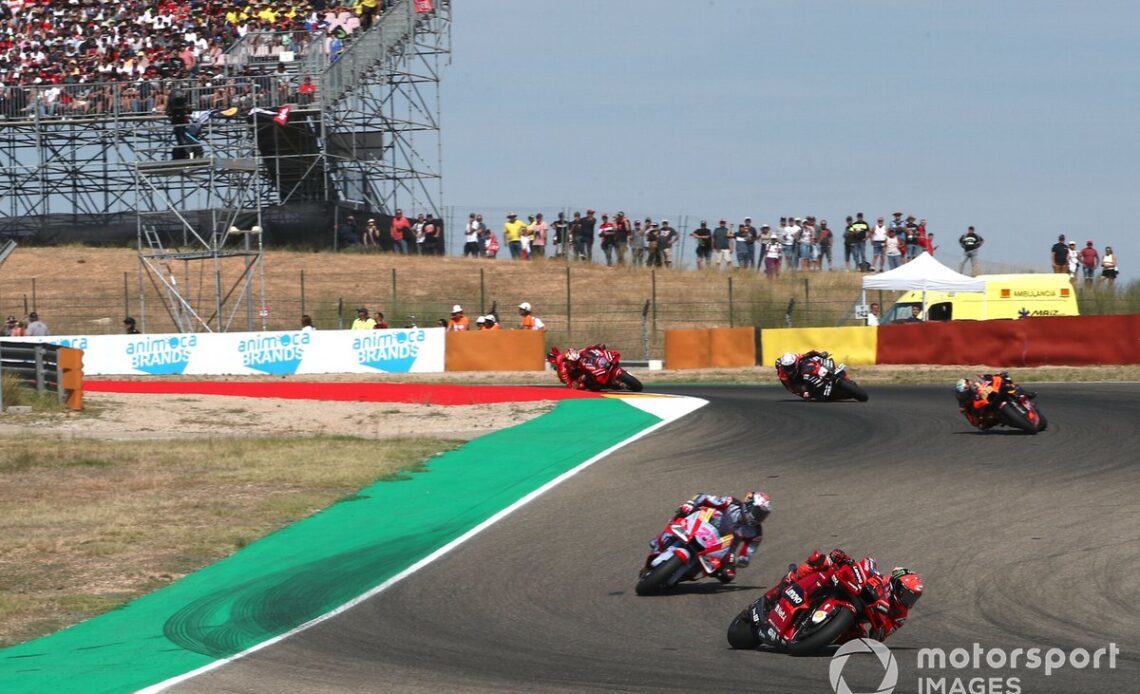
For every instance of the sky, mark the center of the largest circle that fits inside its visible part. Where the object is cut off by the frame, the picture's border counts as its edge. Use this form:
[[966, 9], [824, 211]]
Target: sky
[[1017, 118]]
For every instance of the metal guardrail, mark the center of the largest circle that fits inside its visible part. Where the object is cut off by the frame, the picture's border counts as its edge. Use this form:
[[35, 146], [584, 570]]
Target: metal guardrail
[[45, 367]]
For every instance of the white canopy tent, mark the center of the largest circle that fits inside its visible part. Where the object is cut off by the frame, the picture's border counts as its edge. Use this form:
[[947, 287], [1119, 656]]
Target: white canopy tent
[[923, 274]]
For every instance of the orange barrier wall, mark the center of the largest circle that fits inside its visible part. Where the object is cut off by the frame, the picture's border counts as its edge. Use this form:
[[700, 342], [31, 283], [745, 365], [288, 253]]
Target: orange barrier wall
[[705, 348], [1062, 340], [71, 363], [731, 347], [496, 350], [687, 349]]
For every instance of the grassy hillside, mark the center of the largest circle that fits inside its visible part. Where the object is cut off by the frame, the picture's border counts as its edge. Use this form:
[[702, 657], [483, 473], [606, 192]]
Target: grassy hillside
[[87, 290]]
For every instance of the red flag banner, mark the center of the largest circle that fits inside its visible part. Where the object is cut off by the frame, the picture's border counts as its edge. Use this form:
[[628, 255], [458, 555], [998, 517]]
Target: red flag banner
[[423, 6], [282, 116]]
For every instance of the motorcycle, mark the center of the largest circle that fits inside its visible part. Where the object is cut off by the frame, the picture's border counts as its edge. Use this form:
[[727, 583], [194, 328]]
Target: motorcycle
[[809, 615], [1011, 406], [834, 381], [693, 550], [602, 370]]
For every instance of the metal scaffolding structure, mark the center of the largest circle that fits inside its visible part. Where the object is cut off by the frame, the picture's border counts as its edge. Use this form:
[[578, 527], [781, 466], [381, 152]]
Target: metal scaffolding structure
[[370, 139]]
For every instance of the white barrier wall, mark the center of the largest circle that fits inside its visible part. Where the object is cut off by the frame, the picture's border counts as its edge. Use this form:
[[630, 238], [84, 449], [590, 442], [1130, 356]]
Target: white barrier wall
[[416, 350]]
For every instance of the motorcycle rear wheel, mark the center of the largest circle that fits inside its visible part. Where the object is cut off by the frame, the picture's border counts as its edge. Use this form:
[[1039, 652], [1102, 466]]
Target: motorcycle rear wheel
[[741, 633], [656, 579], [823, 636], [845, 388], [630, 382]]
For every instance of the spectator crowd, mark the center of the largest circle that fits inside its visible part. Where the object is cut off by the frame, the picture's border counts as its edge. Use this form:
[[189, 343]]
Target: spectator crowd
[[79, 57]]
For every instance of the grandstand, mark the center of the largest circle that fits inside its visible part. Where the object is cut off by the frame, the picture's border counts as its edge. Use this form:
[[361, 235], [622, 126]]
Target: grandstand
[[189, 119]]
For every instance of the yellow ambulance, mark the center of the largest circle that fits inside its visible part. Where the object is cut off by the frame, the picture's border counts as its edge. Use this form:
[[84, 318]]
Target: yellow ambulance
[[1006, 296]]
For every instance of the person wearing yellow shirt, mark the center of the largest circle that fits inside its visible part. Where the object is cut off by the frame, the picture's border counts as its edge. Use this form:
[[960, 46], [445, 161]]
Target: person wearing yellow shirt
[[363, 320], [529, 321], [458, 320], [513, 232], [367, 10]]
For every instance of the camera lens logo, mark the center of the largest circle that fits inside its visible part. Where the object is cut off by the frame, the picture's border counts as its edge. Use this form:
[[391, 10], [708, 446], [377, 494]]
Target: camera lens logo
[[875, 648]]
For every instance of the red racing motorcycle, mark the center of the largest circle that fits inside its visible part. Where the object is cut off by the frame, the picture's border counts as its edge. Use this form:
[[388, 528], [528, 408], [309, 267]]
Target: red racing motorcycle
[[595, 368], [811, 614]]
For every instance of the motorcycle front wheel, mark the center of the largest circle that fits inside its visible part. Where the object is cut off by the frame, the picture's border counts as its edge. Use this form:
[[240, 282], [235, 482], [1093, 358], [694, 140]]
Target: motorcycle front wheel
[[630, 382], [823, 635], [845, 388], [1014, 416], [656, 579], [741, 633]]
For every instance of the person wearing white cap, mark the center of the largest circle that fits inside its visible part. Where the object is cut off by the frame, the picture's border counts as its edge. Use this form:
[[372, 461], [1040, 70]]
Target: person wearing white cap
[[491, 323], [480, 322], [529, 320], [458, 320]]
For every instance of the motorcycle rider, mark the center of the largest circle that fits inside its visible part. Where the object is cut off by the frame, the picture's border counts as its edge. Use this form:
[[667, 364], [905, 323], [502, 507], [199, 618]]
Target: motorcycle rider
[[574, 365], [976, 397], [743, 519], [790, 369], [889, 599]]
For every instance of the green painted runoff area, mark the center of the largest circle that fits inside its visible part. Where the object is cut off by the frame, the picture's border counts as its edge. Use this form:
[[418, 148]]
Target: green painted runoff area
[[317, 564]]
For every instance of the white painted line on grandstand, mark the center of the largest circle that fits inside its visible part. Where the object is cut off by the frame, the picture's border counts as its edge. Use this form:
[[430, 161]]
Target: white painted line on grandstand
[[668, 408]]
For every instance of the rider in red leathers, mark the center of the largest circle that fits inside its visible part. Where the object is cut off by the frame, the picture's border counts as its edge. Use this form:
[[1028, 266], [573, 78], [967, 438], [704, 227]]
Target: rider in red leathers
[[741, 519], [574, 365], [889, 599]]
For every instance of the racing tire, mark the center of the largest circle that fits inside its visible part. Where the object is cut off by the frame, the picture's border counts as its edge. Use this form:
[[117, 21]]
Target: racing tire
[[845, 388], [656, 579], [741, 633], [1042, 423], [824, 636], [1012, 416], [629, 382]]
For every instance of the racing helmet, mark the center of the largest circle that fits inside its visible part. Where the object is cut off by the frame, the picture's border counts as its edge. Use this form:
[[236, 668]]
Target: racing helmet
[[788, 359], [906, 586], [962, 389], [572, 355], [758, 505]]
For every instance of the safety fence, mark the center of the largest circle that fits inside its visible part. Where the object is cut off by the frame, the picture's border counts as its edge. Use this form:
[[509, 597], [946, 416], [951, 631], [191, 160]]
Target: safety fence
[[45, 367]]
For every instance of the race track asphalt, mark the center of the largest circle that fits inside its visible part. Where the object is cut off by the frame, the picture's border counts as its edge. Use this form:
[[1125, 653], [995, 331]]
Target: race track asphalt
[[1023, 541]]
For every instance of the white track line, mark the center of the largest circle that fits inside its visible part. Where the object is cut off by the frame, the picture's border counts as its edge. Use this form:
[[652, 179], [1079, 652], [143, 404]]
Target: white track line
[[668, 408]]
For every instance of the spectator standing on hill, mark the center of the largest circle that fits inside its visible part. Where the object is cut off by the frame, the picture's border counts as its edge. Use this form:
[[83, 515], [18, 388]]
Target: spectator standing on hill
[[346, 234], [849, 244], [1059, 255], [893, 249], [740, 242], [721, 245], [669, 238], [826, 238], [561, 230], [913, 247], [513, 230], [458, 322], [899, 225], [527, 319], [381, 324], [9, 326], [584, 237], [873, 315], [471, 234], [772, 256], [862, 231], [1090, 259], [704, 239], [400, 228], [808, 243], [653, 244], [363, 320], [788, 238], [1108, 266], [622, 232], [637, 244], [36, 327], [371, 235], [538, 232], [606, 239], [878, 243], [970, 243], [1073, 261]]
